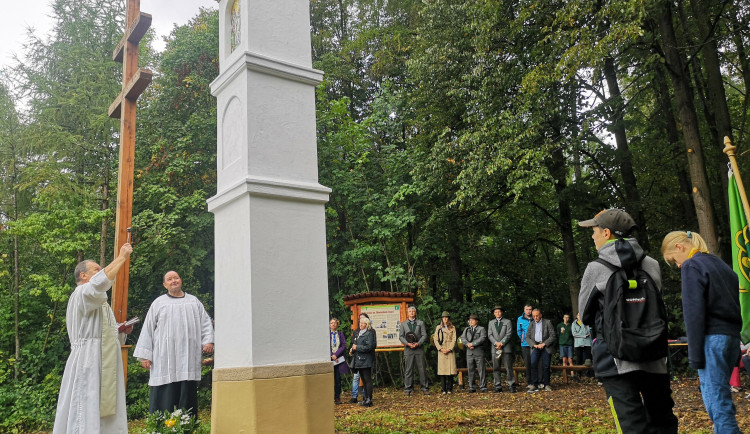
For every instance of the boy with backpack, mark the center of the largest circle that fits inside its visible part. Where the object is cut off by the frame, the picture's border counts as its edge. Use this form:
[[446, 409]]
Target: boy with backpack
[[620, 299]]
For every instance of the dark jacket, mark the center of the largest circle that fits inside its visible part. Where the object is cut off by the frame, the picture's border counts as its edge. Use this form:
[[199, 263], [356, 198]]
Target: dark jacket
[[564, 334], [549, 337], [591, 304], [364, 354], [710, 303]]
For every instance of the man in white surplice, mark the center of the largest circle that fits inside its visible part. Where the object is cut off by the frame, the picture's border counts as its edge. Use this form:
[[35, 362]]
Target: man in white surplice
[[177, 328], [92, 393]]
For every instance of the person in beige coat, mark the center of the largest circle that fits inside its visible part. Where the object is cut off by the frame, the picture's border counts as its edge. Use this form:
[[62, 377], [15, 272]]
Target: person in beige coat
[[444, 339]]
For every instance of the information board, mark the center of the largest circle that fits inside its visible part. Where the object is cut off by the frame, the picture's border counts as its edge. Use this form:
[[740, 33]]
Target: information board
[[385, 321]]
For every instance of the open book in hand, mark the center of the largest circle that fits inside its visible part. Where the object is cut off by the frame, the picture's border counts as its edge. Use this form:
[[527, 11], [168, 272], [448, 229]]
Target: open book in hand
[[128, 323]]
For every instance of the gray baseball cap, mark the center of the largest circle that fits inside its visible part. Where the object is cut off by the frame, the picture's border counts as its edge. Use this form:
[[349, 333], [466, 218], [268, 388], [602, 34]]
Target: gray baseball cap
[[614, 219]]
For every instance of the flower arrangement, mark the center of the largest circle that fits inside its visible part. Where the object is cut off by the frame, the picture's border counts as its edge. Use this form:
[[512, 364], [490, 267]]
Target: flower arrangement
[[174, 422]]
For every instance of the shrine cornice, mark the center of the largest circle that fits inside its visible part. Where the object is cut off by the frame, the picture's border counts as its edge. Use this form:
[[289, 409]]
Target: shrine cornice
[[267, 65]]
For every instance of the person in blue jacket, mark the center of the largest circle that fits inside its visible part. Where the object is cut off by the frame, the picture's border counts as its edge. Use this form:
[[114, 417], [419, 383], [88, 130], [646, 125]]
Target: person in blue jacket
[[522, 325], [711, 310]]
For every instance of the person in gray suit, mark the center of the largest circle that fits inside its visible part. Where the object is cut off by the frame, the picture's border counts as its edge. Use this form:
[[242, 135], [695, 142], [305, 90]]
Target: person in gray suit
[[500, 331], [542, 338], [473, 337], [413, 334]]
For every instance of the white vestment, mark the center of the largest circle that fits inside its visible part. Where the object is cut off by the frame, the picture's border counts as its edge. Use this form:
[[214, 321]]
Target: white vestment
[[172, 338], [78, 402]]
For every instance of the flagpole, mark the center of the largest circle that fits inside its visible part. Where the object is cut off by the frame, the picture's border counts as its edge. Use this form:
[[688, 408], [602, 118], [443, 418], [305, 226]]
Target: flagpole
[[729, 149]]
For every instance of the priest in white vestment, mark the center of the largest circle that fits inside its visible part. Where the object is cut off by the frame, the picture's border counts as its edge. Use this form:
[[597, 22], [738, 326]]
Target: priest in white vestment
[[176, 331], [92, 393]]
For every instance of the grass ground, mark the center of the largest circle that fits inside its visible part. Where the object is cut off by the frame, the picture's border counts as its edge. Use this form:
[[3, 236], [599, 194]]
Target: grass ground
[[577, 407]]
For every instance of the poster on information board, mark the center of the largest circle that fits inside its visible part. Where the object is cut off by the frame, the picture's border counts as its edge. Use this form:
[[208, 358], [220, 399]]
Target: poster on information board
[[385, 321]]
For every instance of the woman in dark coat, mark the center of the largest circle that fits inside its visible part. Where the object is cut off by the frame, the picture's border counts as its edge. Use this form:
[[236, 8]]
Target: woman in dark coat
[[363, 351], [338, 346]]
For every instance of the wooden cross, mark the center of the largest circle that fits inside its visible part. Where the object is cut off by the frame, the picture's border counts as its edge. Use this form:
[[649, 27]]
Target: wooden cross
[[134, 82]]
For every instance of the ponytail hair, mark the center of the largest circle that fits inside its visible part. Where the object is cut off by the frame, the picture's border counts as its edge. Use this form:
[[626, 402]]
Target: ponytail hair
[[686, 238]]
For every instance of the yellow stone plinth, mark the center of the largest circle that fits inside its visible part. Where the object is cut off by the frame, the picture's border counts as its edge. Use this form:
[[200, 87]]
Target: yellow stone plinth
[[273, 399]]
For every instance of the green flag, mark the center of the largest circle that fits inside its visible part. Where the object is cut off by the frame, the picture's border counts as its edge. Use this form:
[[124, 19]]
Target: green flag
[[740, 246]]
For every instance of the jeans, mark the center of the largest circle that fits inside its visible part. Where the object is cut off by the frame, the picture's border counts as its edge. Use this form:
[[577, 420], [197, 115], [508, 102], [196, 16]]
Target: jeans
[[355, 385], [721, 352], [526, 354], [537, 377]]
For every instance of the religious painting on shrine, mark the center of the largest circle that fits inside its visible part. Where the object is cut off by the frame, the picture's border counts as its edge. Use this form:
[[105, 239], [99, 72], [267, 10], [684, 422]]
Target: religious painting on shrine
[[236, 24], [386, 310]]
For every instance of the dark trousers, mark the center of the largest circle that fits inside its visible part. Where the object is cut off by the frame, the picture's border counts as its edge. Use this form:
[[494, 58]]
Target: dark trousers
[[505, 361], [168, 397], [526, 353], [412, 358], [446, 383], [336, 383], [366, 375], [642, 402], [582, 354], [540, 372]]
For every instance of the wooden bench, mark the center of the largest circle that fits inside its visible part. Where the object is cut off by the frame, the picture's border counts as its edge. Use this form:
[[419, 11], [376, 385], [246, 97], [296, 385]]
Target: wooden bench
[[522, 369]]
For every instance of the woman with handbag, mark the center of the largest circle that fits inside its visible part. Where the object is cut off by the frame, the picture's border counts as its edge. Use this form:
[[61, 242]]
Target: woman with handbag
[[444, 339], [363, 360], [338, 346]]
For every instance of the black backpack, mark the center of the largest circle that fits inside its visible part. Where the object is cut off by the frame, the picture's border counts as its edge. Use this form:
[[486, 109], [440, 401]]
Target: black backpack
[[634, 319]]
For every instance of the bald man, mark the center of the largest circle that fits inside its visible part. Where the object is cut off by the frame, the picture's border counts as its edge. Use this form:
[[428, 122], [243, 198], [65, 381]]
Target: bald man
[[176, 331]]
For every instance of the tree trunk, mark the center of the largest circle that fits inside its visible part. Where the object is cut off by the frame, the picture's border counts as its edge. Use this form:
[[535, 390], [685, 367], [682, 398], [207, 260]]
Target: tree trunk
[[624, 156], [712, 66], [16, 271], [686, 109], [557, 169], [744, 62], [673, 138]]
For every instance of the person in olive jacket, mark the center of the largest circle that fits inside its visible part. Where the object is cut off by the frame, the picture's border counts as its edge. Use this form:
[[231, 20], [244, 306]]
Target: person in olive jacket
[[363, 350]]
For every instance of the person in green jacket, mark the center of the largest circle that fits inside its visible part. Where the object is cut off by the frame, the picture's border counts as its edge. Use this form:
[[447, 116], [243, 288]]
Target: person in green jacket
[[565, 341]]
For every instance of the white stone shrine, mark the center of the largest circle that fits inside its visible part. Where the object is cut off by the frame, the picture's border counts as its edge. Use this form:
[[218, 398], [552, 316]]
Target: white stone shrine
[[272, 371]]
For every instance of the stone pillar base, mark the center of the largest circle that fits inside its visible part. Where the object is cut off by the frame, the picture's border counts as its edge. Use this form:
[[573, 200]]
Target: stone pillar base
[[273, 399]]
